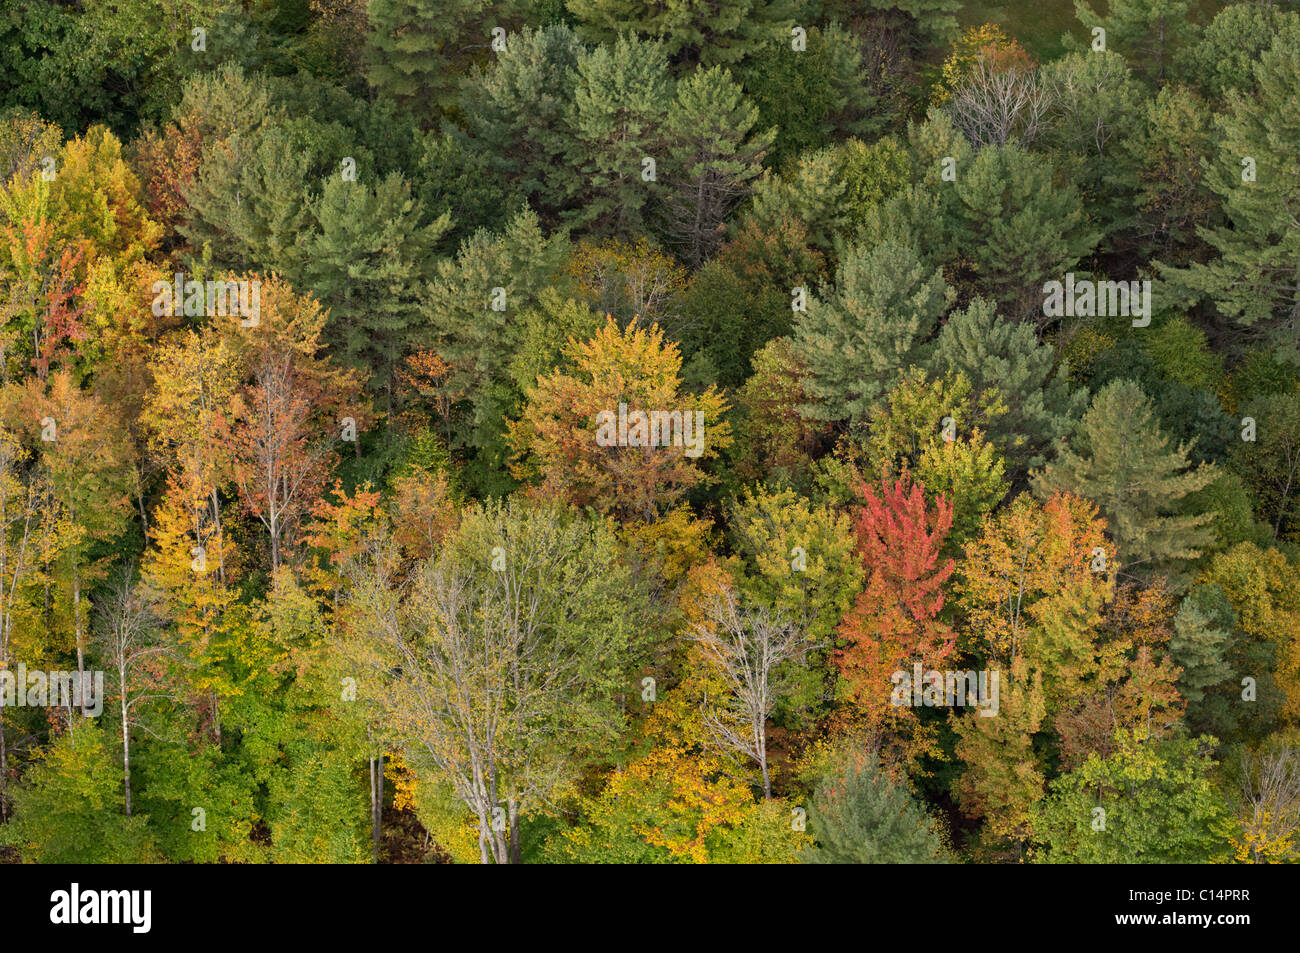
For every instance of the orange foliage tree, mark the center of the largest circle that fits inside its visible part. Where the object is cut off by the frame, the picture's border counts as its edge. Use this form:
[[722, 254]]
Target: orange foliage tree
[[895, 620], [556, 439]]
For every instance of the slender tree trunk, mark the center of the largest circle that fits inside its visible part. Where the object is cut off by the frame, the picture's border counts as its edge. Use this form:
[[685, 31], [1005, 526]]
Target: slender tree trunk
[[378, 831], [81, 654], [272, 525], [483, 838], [498, 836], [376, 801], [374, 840], [4, 767], [139, 499], [515, 846], [126, 744], [1281, 506], [216, 519]]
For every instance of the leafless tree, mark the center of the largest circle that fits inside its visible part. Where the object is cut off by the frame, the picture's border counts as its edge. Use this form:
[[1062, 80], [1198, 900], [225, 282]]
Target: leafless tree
[[995, 105], [745, 646], [137, 660]]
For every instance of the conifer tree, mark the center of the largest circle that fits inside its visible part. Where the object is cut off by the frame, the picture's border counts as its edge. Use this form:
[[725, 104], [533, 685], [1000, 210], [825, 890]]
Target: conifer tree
[[712, 158], [859, 815], [617, 123], [251, 201], [1165, 155], [1231, 45], [416, 48], [1018, 226], [1256, 278], [368, 266], [707, 32], [1006, 357], [1148, 33], [517, 110], [475, 325], [1203, 630], [811, 94], [1122, 461], [873, 324], [1097, 108]]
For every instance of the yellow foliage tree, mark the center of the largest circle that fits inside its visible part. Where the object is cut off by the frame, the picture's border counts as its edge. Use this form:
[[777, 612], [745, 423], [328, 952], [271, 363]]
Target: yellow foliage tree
[[620, 433]]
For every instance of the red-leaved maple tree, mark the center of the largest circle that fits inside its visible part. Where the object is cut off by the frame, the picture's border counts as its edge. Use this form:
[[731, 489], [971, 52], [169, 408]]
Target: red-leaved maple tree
[[895, 620]]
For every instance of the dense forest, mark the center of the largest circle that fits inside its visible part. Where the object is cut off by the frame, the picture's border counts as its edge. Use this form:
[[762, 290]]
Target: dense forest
[[649, 431]]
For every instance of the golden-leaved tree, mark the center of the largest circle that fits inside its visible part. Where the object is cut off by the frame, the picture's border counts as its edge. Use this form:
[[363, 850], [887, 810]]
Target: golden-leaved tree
[[555, 439]]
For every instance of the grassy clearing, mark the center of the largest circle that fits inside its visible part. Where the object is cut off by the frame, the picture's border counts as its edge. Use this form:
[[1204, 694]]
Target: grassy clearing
[[1039, 24]]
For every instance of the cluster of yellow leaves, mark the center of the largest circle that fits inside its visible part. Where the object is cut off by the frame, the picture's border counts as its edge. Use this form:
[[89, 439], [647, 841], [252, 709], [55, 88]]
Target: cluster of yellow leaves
[[558, 429], [449, 823], [987, 41], [625, 279], [681, 798], [1260, 841], [1264, 589], [1027, 554]]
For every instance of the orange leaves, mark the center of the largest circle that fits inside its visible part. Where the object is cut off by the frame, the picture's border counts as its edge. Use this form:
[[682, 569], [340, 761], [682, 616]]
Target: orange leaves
[[899, 539], [167, 164], [337, 528], [1026, 552], [894, 621], [986, 44], [634, 473], [423, 513], [424, 380]]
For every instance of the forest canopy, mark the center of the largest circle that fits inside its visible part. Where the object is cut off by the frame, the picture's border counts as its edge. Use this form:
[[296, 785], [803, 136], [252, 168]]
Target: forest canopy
[[615, 431]]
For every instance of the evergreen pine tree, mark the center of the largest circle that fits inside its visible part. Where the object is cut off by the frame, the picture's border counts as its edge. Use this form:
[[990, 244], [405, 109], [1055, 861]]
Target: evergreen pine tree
[[1203, 630], [368, 265], [417, 49], [251, 201], [1256, 278], [712, 160], [1148, 33], [619, 109], [1124, 463], [1231, 45], [472, 310], [1018, 227], [854, 342], [516, 112], [707, 32], [931, 20], [994, 354], [859, 816]]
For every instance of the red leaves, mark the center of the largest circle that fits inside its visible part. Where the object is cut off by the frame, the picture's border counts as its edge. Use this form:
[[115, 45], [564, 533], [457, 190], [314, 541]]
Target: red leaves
[[894, 620], [899, 541]]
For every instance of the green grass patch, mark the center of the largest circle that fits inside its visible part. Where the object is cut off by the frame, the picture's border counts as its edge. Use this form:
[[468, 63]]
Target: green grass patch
[[1039, 24]]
